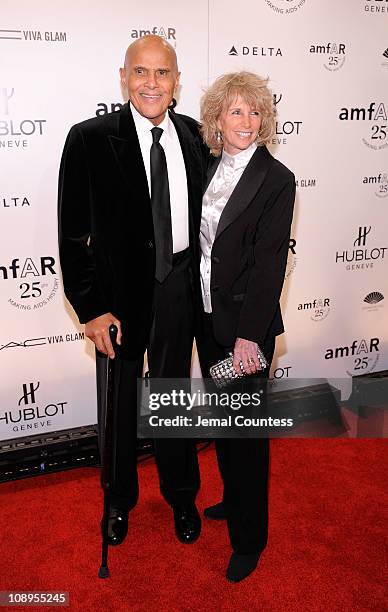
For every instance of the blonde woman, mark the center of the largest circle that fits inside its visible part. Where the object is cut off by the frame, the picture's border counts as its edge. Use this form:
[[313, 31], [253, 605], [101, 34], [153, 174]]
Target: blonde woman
[[245, 228]]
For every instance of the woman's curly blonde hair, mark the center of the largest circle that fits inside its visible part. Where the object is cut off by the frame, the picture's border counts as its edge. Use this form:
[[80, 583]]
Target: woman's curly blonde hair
[[222, 94]]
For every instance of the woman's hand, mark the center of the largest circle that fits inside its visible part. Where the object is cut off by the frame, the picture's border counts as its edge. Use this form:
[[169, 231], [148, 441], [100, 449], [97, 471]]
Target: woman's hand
[[246, 351]]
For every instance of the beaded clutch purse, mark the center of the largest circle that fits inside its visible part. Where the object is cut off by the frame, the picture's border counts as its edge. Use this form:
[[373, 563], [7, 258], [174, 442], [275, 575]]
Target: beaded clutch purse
[[223, 372]]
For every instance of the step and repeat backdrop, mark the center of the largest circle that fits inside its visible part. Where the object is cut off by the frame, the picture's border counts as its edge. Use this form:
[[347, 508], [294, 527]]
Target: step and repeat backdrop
[[327, 62]]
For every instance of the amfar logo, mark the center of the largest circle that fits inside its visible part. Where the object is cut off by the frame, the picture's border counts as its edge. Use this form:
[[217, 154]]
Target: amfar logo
[[103, 108], [376, 113], [318, 308], [334, 52], [22, 128], [285, 128], [379, 182], [362, 355], [166, 33], [33, 35], [285, 7], [364, 257], [260, 51], [376, 6], [292, 259], [33, 416], [38, 289]]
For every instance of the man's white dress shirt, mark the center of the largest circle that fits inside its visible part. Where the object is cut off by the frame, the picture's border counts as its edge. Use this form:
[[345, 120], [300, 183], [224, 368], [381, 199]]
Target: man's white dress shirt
[[176, 169]]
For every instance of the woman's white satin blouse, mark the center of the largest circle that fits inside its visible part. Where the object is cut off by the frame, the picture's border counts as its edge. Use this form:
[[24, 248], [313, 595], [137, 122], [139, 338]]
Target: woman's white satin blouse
[[221, 187]]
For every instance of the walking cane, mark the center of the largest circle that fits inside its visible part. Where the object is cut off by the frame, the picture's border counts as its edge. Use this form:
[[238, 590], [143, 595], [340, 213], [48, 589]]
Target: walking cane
[[106, 475]]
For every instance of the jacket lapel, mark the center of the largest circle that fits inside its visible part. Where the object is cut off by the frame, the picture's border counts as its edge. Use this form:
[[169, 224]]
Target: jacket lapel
[[212, 170], [246, 188], [127, 152], [193, 163]]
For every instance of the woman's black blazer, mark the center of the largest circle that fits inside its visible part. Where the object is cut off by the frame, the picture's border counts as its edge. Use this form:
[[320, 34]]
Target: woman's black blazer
[[249, 254]]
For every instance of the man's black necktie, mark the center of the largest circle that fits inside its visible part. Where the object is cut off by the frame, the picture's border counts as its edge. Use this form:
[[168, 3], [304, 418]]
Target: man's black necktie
[[161, 211]]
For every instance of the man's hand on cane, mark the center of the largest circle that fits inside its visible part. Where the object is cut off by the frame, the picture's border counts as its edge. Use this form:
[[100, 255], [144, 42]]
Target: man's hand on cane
[[97, 330]]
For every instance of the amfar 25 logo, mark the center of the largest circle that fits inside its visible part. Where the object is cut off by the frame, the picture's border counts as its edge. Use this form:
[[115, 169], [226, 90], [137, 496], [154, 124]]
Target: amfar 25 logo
[[362, 355], [334, 54], [39, 283], [376, 114], [379, 182]]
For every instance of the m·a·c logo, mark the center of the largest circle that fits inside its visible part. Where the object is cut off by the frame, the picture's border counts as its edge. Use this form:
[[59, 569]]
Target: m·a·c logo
[[28, 396]]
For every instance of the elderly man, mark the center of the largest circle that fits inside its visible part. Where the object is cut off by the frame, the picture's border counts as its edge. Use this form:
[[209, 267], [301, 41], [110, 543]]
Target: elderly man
[[130, 191]]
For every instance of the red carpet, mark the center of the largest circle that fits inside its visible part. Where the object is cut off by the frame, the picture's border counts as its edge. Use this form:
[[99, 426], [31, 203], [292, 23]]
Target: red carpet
[[326, 545]]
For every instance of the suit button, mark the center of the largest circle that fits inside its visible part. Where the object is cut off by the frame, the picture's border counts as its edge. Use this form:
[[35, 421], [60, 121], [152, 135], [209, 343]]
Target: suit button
[[214, 288], [150, 244], [215, 259]]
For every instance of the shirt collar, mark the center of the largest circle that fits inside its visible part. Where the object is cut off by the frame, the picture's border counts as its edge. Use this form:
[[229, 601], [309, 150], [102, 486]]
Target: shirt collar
[[144, 125], [240, 160]]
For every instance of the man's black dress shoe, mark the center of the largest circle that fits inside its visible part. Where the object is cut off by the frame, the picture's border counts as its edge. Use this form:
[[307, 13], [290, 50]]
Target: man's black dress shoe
[[240, 566], [117, 526], [216, 512], [187, 523]]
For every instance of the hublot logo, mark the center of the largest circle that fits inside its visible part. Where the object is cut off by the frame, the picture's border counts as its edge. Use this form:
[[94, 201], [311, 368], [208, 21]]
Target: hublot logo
[[33, 416], [364, 258], [23, 129]]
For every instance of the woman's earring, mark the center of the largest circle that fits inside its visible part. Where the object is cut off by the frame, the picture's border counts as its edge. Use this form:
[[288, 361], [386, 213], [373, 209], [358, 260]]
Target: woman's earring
[[219, 137]]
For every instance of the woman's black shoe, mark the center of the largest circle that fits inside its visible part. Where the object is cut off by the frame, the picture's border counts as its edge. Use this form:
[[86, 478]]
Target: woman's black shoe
[[216, 512], [240, 566]]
